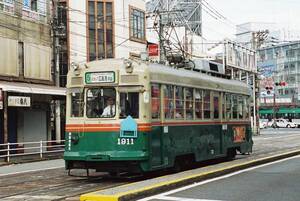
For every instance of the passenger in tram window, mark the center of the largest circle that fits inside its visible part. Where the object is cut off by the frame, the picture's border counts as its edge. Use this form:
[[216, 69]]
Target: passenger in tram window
[[189, 102], [178, 115], [110, 109]]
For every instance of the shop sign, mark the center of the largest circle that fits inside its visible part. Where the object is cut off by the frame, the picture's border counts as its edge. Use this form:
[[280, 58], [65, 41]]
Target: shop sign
[[153, 50], [1, 100], [101, 77], [18, 101]]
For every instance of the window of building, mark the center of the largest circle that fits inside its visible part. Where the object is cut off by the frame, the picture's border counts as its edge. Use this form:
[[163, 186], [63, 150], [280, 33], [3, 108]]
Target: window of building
[[100, 26], [101, 103], [262, 55], [129, 104], [7, 6], [206, 104], [198, 104], [21, 58], [137, 24], [33, 5], [179, 102], [155, 101], [270, 54], [189, 103], [168, 101]]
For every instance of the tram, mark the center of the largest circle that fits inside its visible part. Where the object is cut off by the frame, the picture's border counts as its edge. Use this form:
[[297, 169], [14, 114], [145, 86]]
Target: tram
[[132, 116]]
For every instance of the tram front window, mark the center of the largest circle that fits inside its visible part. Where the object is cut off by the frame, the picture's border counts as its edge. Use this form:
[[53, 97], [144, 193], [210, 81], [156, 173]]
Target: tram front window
[[101, 103], [129, 104], [76, 103]]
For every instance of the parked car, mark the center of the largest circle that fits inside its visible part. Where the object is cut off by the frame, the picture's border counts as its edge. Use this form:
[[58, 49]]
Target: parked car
[[262, 124], [282, 123]]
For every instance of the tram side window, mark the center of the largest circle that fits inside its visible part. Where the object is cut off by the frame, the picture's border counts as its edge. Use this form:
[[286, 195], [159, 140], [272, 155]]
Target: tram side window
[[198, 104], [155, 101], [223, 106], [77, 103], [168, 101], [216, 107], [234, 107], [206, 104], [189, 103], [101, 103], [246, 107], [240, 107], [179, 100], [129, 104], [228, 106]]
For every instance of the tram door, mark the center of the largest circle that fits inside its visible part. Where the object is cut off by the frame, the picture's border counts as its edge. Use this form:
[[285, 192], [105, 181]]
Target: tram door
[[217, 117], [157, 131]]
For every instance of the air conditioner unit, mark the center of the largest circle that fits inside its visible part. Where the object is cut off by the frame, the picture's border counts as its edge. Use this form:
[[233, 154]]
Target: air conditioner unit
[[209, 66]]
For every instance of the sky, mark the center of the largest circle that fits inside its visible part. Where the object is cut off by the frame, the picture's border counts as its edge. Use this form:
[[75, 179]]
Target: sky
[[286, 13]]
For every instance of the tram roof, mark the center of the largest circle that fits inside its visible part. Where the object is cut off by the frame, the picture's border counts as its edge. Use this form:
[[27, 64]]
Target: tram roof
[[164, 74]]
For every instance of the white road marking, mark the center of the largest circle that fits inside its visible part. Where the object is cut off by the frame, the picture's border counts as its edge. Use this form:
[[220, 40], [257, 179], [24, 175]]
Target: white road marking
[[214, 179], [182, 199], [27, 171]]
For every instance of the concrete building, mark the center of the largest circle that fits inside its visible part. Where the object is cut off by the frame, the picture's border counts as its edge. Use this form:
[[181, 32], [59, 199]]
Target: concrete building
[[27, 81], [280, 69], [103, 29]]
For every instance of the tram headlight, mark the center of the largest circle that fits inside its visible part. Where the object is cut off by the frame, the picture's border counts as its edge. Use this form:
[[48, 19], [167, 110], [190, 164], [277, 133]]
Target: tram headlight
[[75, 66], [75, 138]]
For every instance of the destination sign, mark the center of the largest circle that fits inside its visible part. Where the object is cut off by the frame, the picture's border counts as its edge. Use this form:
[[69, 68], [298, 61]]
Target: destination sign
[[103, 77]]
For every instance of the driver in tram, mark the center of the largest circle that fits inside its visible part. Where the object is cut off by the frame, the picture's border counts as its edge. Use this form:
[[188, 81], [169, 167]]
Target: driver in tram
[[110, 109]]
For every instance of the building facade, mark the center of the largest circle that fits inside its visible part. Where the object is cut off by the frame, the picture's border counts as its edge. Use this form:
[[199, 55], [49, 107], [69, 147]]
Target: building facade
[[99, 29], [280, 69], [27, 73]]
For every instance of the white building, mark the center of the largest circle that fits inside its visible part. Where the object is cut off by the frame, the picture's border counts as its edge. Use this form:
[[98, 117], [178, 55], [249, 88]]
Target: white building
[[244, 33], [105, 29]]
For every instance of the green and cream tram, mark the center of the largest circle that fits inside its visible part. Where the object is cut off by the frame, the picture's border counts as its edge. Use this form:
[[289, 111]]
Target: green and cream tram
[[133, 116]]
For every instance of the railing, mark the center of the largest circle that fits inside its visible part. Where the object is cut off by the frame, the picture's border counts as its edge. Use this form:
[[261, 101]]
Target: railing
[[40, 149]]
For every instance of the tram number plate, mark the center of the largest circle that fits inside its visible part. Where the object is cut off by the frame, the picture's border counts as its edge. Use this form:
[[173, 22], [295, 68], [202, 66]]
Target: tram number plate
[[125, 141]]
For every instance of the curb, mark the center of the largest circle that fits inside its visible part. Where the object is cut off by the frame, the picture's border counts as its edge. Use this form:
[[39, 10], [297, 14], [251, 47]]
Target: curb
[[168, 185]]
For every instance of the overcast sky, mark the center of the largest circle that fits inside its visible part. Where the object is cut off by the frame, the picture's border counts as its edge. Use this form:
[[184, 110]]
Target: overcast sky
[[284, 12]]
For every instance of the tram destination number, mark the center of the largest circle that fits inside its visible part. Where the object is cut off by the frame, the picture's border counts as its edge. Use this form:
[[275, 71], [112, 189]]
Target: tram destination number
[[125, 141]]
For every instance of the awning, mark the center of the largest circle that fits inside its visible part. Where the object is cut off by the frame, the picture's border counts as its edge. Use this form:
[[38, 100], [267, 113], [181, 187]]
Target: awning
[[32, 88], [289, 110], [267, 111]]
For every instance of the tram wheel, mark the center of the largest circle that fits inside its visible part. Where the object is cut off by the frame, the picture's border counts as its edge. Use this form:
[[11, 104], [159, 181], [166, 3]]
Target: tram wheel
[[231, 153], [114, 174], [177, 166]]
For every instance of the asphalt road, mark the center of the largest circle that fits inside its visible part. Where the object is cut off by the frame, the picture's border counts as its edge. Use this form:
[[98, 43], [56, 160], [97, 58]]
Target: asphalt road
[[275, 181], [47, 180]]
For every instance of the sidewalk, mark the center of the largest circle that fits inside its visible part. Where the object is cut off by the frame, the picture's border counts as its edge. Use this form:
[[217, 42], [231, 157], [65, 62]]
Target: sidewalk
[[30, 167]]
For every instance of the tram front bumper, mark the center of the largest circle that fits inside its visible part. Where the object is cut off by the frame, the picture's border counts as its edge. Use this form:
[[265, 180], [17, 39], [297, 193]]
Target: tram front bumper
[[106, 156]]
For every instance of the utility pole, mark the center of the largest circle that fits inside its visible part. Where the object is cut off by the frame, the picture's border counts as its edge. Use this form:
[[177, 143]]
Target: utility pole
[[162, 53], [259, 38], [58, 31]]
